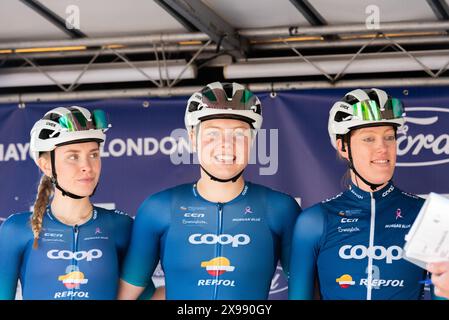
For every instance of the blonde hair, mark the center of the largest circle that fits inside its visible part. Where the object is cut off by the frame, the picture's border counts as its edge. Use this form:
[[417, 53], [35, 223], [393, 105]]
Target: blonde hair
[[44, 191]]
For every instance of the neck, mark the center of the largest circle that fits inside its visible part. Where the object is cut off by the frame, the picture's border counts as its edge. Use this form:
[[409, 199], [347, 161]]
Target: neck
[[362, 185], [71, 211], [215, 191]]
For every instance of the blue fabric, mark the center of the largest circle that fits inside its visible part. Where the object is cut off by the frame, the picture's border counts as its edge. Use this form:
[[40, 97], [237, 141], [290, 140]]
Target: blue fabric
[[80, 262], [330, 245], [212, 250]]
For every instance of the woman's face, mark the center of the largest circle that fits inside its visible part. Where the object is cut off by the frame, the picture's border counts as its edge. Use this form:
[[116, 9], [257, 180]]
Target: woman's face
[[78, 167], [223, 146], [374, 153]]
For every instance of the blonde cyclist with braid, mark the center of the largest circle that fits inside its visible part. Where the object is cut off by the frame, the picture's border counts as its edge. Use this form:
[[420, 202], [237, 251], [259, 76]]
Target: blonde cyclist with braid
[[66, 248]]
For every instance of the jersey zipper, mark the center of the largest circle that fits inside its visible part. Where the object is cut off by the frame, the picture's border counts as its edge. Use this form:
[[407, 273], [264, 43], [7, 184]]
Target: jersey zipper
[[74, 249], [218, 246], [369, 287]]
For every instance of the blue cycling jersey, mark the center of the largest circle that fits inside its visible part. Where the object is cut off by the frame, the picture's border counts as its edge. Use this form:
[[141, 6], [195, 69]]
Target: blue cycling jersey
[[212, 250], [80, 262], [352, 244]]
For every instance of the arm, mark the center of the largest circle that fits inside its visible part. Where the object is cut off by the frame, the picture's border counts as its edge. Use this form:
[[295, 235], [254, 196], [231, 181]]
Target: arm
[[291, 210], [11, 250], [159, 294], [440, 278], [142, 257], [307, 235], [128, 291], [124, 225]]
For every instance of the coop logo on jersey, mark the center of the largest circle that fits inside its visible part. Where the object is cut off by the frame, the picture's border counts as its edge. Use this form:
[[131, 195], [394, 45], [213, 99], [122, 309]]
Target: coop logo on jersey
[[73, 278], [78, 255], [223, 239], [217, 266], [376, 252], [425, 142], [345, 281]]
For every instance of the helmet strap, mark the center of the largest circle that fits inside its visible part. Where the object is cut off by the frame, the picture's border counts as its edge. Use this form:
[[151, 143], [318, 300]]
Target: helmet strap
[[373, 186], [213, 178]]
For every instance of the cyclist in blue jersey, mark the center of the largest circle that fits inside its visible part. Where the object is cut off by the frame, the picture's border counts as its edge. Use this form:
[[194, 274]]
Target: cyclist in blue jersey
[[350, 246], [68, 249], [221, 237]]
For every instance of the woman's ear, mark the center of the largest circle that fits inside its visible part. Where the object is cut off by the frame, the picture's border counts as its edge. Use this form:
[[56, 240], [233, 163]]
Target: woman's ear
[[343, 153], [44, 164]]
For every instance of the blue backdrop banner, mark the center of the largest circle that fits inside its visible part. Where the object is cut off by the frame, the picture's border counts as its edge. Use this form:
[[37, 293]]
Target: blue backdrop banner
[[147, 149]]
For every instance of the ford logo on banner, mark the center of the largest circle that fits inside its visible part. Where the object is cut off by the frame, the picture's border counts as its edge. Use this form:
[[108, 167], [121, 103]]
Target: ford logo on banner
[[424, 139]]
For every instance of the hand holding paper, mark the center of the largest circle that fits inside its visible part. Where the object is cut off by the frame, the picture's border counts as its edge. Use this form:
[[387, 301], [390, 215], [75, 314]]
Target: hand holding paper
[[428, 239]]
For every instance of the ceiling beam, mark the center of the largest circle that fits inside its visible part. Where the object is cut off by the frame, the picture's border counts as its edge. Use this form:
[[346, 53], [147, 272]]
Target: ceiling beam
[[197, 14], [309, 12], [312, 15], [55, 19], [175, 14], [439, 8]]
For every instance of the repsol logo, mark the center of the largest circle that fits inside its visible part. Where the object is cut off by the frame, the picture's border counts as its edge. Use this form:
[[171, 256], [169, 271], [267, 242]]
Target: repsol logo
[[376, 252], [223, 239], [423, 140], [78, 255]]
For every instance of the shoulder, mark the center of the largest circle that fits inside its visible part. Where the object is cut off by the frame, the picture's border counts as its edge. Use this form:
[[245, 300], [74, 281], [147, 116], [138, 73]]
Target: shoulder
[[114, 214], [17, 220], [315, 213], [164, 197], [338, 197], [311, 223], [17, 227], [155, 210], [410, 198], [274, 197]]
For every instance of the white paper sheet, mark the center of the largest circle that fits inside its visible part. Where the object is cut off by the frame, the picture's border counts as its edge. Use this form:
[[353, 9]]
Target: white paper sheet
[[428, 238]]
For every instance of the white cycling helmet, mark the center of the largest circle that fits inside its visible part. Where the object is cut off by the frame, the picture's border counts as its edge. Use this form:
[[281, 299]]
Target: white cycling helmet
[[362, 108], [63, 125], [223, 101]]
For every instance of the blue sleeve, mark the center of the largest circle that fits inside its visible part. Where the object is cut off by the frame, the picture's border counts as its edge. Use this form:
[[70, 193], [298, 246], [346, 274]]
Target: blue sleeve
[[123, 226], [151, 222], [14, 235], [307, 237], [285, 211]]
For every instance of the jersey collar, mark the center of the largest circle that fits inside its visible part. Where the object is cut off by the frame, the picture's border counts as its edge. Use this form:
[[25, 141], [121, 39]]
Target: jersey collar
[[384, 193], [52, 216], [244, 192]]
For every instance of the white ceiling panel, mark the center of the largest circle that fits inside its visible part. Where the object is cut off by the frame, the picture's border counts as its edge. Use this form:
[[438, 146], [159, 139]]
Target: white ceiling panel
[[19, 22], [103, 18], [354, 11], [257, 13]]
